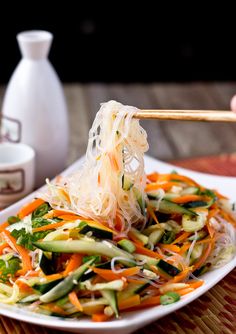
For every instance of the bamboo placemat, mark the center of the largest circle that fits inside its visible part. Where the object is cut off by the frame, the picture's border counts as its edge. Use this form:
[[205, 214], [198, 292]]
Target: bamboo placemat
[[214, 312]]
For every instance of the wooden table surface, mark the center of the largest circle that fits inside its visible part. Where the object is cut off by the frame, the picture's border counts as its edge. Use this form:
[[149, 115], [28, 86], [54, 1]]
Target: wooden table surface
[[168, 139]]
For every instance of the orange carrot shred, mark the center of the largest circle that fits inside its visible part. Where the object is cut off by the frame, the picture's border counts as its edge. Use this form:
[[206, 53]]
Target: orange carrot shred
[[74, 262], [49, 226], [3, 246], [185, 291], [184, 248], [100, 317], [187, 198], [129, 302], [26, 260], [3, 226], [181, 238], [152, 177], [75, 301], [202, 260], [142, 250], [29, 208], [195, 284], [170, 247]]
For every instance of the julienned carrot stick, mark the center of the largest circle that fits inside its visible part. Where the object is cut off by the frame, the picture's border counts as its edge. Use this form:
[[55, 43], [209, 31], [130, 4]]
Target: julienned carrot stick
[[57, 213], [183, 178], [109, 275], [151, 301], [152, 214], [130, 272], [29, 208], [187, 198], [152, 177], [54, 277], [68, 217], [202, 260], [98, 224], [182, 275], [195, 284], [148, 252], [52, 307], [100, 317], [185, 291], [159, 185], [24, 287], [75, 301], [74, 262], [181, 238], [3, 226], [25, 258], [49, 226], [170, 247], [129, 302], [4, 245], [184, 248], [204, 241]]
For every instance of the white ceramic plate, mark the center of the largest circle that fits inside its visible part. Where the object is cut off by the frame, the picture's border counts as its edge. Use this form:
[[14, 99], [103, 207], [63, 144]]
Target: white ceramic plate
[[134, 320]]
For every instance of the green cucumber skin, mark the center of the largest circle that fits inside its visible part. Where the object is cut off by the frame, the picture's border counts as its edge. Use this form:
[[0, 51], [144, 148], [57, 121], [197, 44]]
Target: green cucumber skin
[[111, 297], [65, 286], [132, 290], [83, 247], [127, 245], [96, 232], [170, 207], [168, 268], [45, 287]]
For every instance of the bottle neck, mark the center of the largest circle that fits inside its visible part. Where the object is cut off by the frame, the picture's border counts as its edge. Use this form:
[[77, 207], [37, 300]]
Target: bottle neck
[[34, 44]]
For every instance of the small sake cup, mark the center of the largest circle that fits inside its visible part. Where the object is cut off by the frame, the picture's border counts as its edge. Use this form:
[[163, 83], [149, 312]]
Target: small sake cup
[[17, 172]]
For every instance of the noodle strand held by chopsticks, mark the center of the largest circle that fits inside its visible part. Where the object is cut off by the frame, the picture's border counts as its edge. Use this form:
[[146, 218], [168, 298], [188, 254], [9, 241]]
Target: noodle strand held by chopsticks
[[115, 153]]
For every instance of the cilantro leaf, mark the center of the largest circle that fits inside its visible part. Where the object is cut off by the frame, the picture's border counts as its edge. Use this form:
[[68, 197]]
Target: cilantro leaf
[[23, 238], [8, 268], [26, 239]]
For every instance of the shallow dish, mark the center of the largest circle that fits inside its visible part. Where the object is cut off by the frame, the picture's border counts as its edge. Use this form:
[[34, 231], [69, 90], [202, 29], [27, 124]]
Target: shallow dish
[[133, 320]]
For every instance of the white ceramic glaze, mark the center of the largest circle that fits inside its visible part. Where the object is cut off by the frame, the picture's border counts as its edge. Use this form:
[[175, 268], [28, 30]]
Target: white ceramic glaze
[[131, 321], [35, 101], [17, 172]]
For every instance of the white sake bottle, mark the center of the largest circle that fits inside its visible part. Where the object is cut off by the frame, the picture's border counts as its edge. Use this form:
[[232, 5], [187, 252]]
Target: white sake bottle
[[34, 105]]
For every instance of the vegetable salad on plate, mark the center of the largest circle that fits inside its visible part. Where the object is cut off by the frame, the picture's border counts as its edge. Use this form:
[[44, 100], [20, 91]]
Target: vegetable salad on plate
[[109, 238]]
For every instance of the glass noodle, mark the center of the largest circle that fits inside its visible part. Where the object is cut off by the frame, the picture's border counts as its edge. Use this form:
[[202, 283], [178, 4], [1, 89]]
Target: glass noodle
[[115, 154]]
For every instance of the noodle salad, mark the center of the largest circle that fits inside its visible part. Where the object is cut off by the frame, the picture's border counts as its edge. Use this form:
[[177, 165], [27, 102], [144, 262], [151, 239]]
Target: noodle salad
[[110, 238]]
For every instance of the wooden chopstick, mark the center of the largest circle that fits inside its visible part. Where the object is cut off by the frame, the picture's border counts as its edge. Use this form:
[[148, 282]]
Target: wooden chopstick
[[187, 115]]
